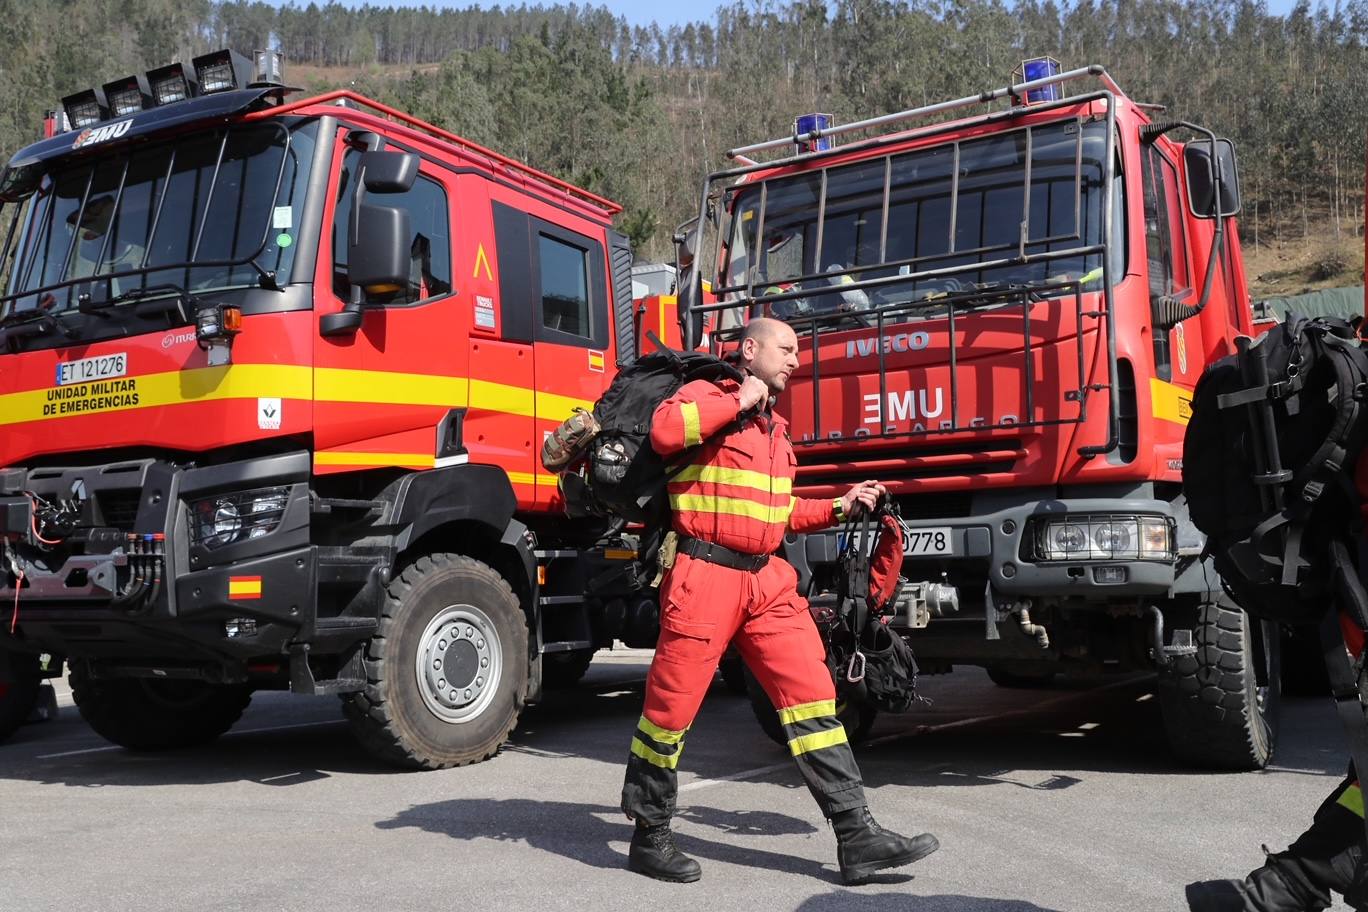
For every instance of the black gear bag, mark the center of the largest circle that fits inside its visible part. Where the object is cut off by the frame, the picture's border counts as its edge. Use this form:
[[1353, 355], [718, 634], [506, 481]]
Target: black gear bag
[[620, 474], [870, 661], [1268, 464]]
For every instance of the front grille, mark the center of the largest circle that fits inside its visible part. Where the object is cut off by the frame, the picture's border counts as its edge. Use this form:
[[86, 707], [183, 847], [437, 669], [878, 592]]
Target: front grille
[[119, 509]]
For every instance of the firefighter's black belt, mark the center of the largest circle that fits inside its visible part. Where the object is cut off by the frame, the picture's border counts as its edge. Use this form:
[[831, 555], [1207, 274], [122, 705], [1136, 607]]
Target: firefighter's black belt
[[716, 554]]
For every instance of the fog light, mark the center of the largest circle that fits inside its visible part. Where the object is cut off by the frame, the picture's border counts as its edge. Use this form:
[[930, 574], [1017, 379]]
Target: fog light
[[222, 71], [240, 627], [1109, 576], [128, 96], [85, 108]]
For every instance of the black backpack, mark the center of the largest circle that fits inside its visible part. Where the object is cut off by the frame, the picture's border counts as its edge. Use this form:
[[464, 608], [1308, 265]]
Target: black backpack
[[623, 476], [1268, 465]]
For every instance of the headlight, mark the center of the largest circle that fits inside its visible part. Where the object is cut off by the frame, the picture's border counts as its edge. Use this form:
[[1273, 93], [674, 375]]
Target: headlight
[[1108, 537], [241, 516]]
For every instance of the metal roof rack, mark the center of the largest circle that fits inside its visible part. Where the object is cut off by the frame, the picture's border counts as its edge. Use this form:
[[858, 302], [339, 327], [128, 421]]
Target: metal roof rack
[[1013, 91], [348, 98]]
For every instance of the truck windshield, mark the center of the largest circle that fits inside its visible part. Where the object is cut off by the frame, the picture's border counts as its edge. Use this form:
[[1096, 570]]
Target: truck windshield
[[207, 212], [889, 220]]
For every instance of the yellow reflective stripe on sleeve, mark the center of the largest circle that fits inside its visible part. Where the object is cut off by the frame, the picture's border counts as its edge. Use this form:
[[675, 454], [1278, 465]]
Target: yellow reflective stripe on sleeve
[[663, 735], [807, 711], [817, 740], [653, 758], [731, 506], [741, 478], [1352, 799], [693, 434]]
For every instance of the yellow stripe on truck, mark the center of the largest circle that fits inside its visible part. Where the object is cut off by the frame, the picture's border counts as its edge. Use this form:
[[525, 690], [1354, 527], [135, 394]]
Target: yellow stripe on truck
[[1170, 402], [281, 381], [117, 394]]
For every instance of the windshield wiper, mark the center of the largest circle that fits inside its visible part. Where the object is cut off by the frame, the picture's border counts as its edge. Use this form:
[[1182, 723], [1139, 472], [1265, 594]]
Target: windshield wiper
[[162, 298]]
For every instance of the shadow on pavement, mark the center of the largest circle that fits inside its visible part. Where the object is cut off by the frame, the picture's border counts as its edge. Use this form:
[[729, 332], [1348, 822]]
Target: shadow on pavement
[[854, 901], [587, 833]]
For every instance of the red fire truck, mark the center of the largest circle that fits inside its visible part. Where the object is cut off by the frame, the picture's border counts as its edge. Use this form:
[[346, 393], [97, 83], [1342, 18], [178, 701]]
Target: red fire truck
[[1002, 317], [274, 379]]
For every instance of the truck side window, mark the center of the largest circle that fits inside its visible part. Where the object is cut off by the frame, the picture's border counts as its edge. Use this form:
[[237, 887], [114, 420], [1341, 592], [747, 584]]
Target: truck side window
[[1164, 248], [565, 286], [429, 248]]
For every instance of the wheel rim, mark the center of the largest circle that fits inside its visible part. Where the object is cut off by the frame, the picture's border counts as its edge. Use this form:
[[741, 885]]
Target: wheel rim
[[459, 663]]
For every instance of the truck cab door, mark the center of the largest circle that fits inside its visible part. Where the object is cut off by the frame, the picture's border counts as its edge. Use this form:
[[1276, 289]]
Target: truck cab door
[[555, 296], [1178, 350], [383, 391]]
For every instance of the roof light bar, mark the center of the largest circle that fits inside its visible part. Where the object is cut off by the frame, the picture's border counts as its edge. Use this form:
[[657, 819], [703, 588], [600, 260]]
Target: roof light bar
[[172, 83], [85, 108], [222, 71], [128, 95]]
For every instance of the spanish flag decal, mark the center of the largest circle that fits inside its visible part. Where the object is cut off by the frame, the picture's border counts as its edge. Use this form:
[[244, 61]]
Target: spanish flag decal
[[241, 588], [596, 361]]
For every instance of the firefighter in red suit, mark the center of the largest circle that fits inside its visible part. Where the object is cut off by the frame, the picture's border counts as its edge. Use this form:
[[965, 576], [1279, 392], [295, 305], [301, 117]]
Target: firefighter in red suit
[[730, 508], [1329, 857]]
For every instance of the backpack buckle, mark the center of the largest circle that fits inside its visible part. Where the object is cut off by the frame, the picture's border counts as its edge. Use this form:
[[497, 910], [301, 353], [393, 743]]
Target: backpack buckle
[[1312, 491]]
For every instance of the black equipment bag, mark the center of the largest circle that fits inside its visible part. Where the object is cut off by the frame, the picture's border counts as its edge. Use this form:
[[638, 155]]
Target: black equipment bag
[[870, 661], [1268, 469], [622, 475], [1268, 464]]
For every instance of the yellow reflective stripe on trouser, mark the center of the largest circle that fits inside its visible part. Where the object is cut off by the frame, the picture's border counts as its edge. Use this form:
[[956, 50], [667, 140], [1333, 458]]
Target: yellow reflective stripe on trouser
[[741, 478], [693, 434], [1352, 799], [663, 735], [817, 740], [731, 506], [807, 711], [653, 757]]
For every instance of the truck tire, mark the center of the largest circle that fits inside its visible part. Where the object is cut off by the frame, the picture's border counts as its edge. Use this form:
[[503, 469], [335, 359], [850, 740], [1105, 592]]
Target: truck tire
[[20, 695], [1216, 713], [565, 669], [856, 717], [144, 714], [1020, 680], [447, 670]]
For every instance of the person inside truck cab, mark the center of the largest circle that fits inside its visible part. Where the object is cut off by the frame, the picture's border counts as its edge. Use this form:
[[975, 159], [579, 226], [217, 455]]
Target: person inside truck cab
[[122, 253]]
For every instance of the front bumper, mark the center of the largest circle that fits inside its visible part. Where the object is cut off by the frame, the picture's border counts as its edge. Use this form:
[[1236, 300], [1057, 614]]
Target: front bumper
[[991, 548], [131, 581]]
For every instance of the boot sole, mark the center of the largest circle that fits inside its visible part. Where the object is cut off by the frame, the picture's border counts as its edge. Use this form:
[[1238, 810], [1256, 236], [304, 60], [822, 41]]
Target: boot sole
[[861, 873], [668, 878]]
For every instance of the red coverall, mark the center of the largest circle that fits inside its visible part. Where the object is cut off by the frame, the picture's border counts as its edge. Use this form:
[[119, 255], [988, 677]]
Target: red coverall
[[736, 492]]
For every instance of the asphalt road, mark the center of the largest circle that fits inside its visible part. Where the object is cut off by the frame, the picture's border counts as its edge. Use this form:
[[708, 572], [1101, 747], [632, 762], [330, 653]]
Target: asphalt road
[[1063, 798]]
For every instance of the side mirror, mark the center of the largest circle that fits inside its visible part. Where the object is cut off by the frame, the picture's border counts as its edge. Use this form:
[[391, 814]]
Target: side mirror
[[389, 172], [1201, 186], [686, 244], [378, 255], [378, 262]]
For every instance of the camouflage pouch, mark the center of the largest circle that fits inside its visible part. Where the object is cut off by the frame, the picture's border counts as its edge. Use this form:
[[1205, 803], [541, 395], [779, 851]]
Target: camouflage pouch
[[569, 441]]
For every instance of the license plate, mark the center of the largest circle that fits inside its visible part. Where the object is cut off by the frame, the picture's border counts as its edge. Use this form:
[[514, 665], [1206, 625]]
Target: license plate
[[932, 541], [101, 367], [918, 542]]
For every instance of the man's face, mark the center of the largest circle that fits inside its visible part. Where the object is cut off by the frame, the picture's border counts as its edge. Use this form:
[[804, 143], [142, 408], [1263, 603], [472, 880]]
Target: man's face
[[773, 356]]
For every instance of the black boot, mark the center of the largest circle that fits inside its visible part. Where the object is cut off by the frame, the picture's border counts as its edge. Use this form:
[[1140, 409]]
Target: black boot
[[863, 847], [1216, 896], [1264, 890], [655, 854]]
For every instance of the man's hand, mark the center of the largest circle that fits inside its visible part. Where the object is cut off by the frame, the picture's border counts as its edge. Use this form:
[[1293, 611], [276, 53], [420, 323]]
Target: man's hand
[[862, 497], [753, 392]]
